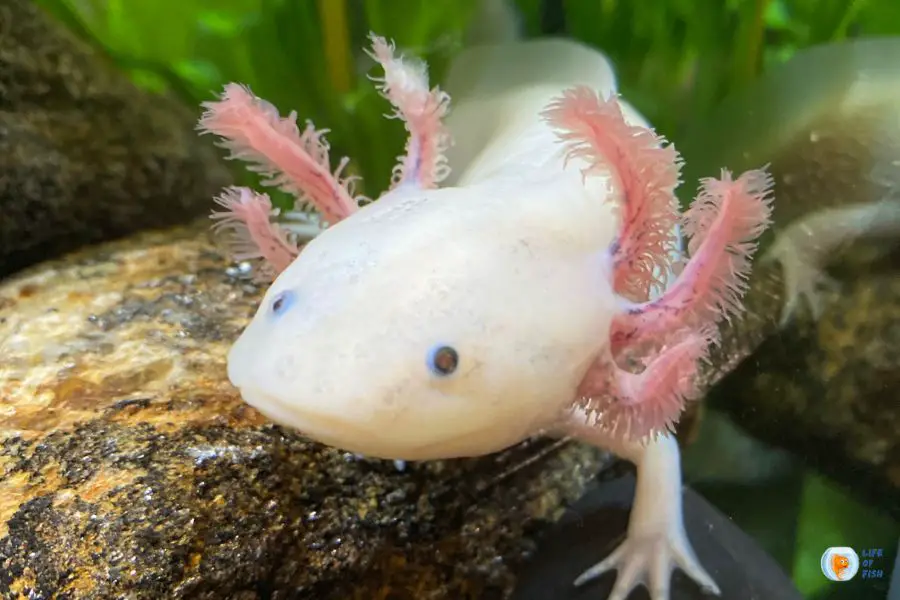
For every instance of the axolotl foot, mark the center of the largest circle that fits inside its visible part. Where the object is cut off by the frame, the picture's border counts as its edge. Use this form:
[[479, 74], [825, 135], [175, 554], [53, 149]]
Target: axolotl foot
[[805, 281], [649, 559], [806, 246], [656, 541]]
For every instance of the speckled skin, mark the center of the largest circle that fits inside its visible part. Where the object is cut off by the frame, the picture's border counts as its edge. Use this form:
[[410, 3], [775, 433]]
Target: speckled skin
[[130, 467], [84, 155]]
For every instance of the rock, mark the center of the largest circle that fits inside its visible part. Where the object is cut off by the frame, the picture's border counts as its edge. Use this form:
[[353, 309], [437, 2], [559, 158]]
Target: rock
[[129, 467], [825, 389], [595, 525], [86, 156]]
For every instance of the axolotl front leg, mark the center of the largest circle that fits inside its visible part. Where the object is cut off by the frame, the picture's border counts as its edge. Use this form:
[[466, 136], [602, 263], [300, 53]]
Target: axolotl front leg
[[656, 541], [630, 398]]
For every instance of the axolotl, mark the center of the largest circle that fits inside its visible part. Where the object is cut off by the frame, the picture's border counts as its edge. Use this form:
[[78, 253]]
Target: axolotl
[[526, 285]]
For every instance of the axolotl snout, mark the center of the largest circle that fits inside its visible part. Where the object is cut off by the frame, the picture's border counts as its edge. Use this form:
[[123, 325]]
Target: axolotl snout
[[534, 292]]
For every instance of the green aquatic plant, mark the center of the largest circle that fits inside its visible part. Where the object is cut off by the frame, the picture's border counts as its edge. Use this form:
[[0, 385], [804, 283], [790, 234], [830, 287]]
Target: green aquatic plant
[[674, 61], [301, 55]]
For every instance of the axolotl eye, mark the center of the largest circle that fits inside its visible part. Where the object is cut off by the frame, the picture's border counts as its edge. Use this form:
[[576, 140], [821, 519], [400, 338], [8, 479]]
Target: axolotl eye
[[282, 302], [442, 360]]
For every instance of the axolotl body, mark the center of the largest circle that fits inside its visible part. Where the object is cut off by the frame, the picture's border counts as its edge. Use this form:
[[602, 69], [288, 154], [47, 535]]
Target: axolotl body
[[532, 291]]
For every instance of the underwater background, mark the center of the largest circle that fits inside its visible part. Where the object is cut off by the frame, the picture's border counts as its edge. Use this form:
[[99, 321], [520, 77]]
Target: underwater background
[[677, 60]]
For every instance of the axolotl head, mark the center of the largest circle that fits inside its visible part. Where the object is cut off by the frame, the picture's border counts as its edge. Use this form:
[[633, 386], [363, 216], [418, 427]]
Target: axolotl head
[[429, 324]]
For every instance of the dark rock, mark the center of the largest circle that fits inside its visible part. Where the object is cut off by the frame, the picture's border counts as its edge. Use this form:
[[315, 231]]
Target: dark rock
[[129, 466], [86, 156], [595, 525], [828, 388]]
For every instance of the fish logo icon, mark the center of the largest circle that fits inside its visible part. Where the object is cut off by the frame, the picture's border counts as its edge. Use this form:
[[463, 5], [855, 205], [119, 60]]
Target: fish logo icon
[[840, 563]]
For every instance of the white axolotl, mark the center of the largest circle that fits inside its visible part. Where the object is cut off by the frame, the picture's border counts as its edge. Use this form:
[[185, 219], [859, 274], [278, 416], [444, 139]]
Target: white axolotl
[[455, 318]]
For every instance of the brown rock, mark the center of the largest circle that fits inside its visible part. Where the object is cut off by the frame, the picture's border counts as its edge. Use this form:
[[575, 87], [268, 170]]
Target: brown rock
[[85, 156], [129, 467]]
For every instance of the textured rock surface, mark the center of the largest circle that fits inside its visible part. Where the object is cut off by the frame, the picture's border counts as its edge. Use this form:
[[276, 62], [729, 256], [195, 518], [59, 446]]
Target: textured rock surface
[[129, 467], [84, 155], [828, 389]]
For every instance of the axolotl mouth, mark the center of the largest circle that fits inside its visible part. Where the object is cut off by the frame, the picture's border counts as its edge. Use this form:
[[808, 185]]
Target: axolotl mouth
[[348, 435], [322, 427]]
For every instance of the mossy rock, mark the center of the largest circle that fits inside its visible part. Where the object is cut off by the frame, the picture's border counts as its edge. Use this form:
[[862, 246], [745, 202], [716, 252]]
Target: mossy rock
[[86, 156]]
